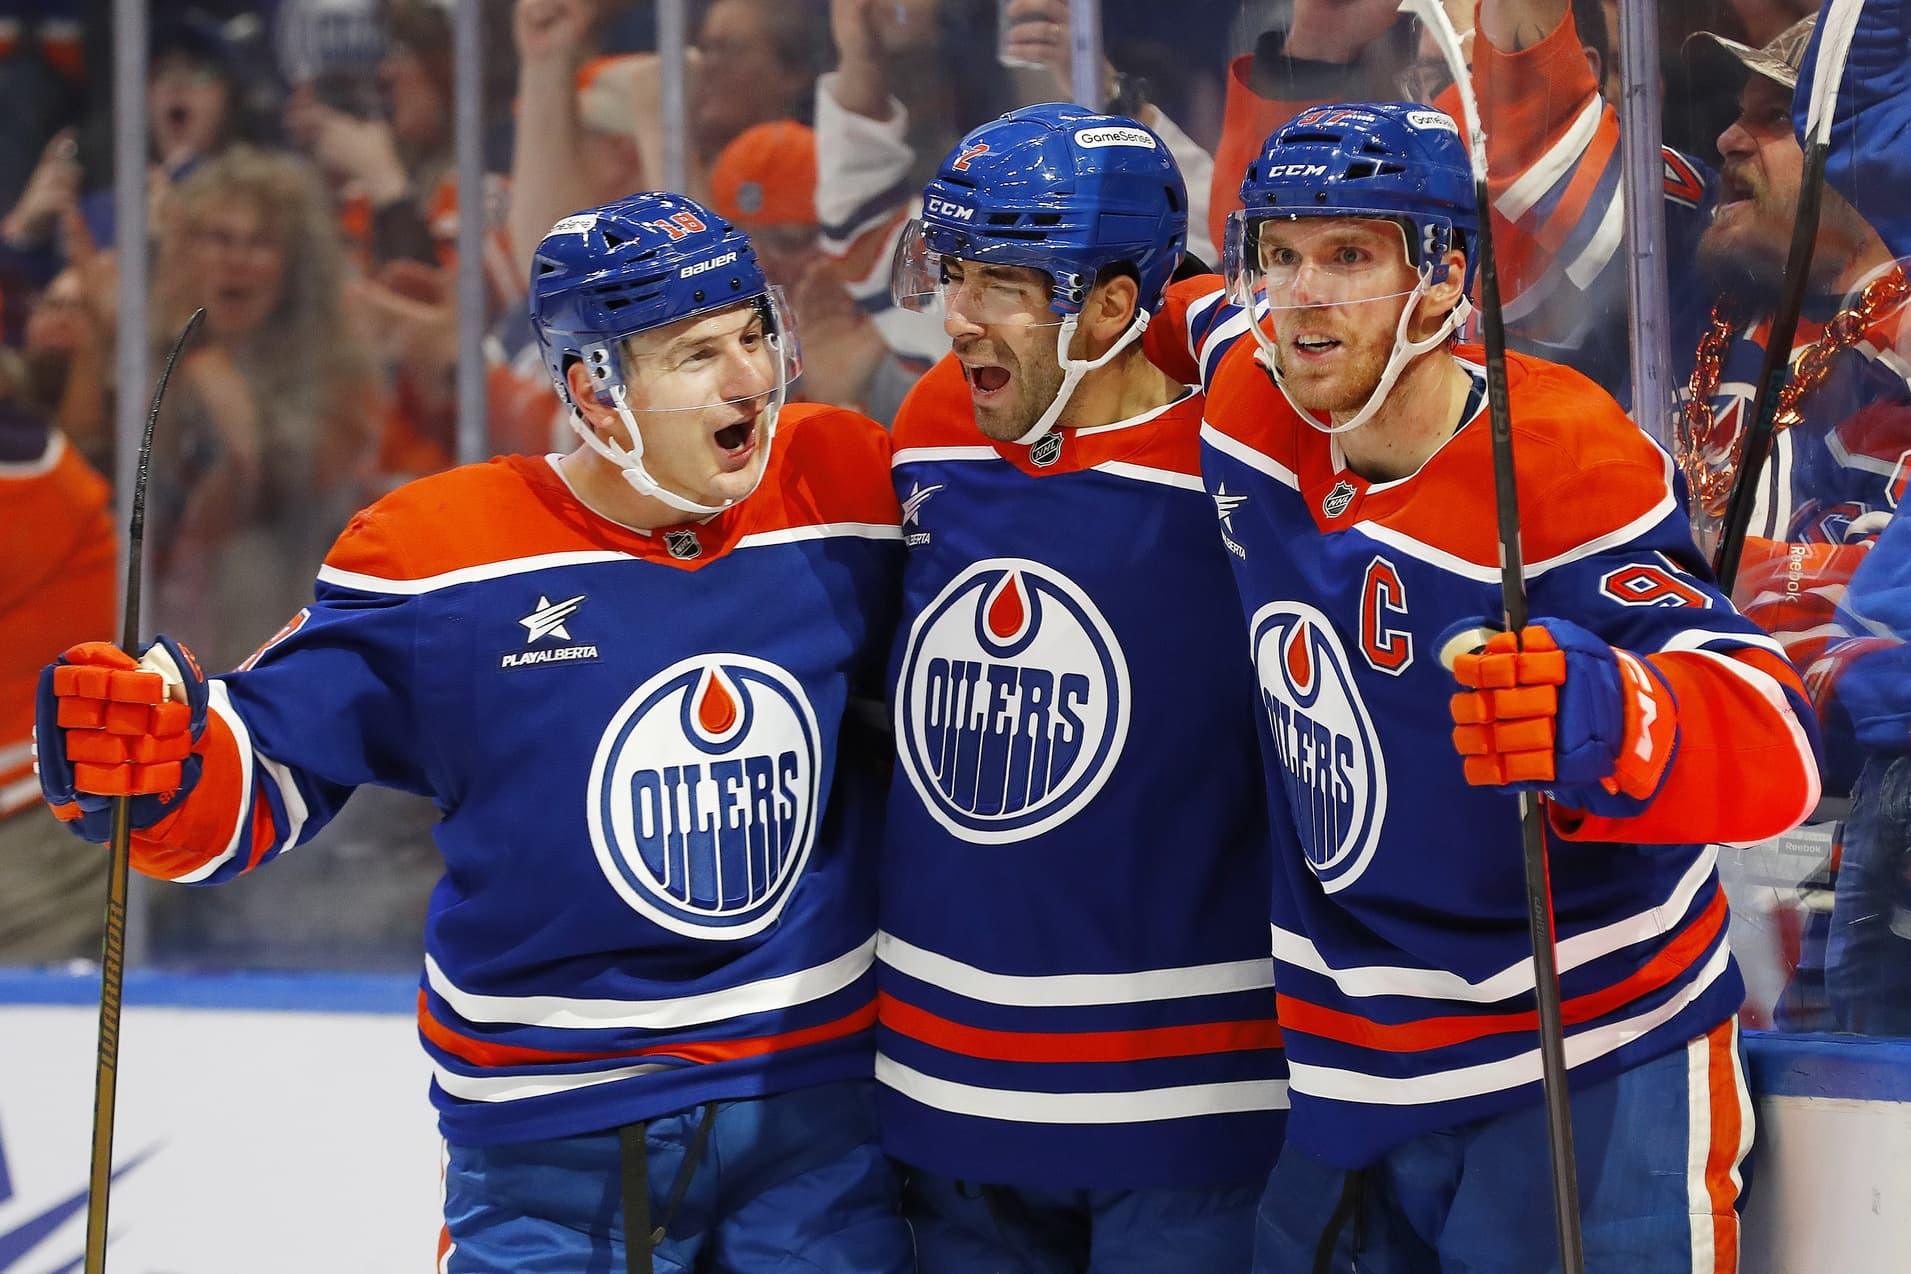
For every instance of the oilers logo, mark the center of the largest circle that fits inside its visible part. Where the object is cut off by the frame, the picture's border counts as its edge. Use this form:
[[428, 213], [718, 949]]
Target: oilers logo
[[1330, 757], [1012, 703], [703, 795]]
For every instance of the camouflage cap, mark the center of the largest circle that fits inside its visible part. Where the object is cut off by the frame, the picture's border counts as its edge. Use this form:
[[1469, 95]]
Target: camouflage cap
[[1779, 61]]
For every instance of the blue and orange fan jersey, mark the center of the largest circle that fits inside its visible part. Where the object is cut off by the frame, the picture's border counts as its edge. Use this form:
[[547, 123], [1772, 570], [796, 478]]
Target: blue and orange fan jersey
[[659, 880], [1076, 989], [1399, 909]]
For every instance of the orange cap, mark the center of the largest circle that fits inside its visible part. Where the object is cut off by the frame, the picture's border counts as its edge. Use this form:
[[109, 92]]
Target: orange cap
[[767, 176]]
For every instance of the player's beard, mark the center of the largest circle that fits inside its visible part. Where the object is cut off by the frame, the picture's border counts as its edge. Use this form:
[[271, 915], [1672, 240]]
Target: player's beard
[[1035, 381], [1344, 388], [1742, 252]]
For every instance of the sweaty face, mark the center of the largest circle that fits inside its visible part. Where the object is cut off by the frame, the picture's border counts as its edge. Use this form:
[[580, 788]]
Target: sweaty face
[[699, 390], [1759, 176], [1003, 332], [1335, 288]]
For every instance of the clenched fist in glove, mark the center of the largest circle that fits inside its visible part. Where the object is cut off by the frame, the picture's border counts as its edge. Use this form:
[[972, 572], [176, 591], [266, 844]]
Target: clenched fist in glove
[[1554, 708], [106, 725]]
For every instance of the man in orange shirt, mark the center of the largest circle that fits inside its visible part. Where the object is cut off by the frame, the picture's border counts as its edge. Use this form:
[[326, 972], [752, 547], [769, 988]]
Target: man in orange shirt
[[57, 569]]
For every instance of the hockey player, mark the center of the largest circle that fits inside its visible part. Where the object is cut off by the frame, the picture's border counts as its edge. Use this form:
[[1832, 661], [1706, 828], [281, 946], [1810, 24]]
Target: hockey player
[[623, 673], [1348, 454], [1076, 1040]]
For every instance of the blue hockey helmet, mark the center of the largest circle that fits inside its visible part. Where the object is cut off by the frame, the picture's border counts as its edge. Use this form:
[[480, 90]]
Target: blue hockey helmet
[[1396, 161], [1386, 161], [606, 274], [1056, 188]]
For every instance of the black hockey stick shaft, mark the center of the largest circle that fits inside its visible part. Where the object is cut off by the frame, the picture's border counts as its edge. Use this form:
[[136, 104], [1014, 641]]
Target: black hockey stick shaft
[[1539, 886], [120, 852], [1772, 372]]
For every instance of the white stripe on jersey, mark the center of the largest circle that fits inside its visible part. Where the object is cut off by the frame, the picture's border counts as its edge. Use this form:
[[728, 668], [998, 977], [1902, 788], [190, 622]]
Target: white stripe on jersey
[[1230, 446], [219, 700], [1457, 1083], [1592, 262], [1367, 981], [467, 574], [1059, 990], [822, 531], [1142, 473], [1490, 574], [496, 1088], [1769, 688], [1519, 196], [931, 455], [1187, 1101], [559, 1012]]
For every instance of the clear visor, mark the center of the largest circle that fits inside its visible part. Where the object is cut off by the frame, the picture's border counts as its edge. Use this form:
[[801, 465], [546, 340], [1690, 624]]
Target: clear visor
[[979, 292], [746, 355], [1349, 257]]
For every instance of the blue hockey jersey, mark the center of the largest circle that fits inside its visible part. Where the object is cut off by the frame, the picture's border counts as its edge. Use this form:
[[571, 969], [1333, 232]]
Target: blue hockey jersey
[[1399, 910], [659, 876], [1076, 989]]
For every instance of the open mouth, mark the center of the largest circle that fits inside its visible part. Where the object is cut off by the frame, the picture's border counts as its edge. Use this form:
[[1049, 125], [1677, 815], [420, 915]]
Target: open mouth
[[732, 438], [985, 379], [1315, 346]]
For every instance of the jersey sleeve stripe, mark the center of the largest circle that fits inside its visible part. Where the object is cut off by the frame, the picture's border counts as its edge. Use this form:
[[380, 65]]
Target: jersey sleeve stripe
[[1071, 989], [1666, 967], [674, 1013], [1125, 1107], [1531, 186], [1460, 1082], [1144, 1044], [1515, 979], [219, 701]]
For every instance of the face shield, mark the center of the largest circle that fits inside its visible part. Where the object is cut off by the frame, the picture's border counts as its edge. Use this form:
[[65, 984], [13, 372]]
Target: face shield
[[1272, 274], [980, 293], [670, 376]]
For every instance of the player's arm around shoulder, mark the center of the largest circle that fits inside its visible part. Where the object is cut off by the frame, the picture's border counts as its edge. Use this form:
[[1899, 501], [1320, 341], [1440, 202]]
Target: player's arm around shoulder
[[1649, 708]]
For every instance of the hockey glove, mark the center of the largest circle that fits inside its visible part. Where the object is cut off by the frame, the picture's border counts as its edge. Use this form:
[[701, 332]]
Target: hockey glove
[[1559, 710], [105, 726]]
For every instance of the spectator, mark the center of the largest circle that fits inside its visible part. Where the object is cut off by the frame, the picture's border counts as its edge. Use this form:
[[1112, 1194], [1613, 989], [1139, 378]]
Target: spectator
[[269, 441], [57, 570], [764, 182]]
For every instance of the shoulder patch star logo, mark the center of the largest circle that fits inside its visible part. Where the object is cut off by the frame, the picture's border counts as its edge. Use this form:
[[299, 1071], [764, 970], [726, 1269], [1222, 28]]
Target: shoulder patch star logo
[[548, 619], [913, 502]]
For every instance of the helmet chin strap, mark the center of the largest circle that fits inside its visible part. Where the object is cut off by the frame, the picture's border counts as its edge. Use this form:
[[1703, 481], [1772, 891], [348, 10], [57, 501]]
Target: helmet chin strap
[[1073, 369], [1404, 352], [631, 462]]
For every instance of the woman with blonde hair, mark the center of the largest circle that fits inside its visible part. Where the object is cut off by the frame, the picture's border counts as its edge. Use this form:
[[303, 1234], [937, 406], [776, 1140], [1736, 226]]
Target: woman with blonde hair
[[270, 434]]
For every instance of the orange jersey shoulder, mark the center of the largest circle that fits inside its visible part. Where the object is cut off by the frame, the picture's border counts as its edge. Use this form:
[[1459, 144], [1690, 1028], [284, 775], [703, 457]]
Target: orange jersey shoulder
[[936, 411], [1585, 471]]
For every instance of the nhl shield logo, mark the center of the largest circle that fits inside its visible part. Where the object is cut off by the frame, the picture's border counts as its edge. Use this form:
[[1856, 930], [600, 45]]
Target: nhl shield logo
[[682, 545], [1324, 737], [1338, 499], [1045, 451], [1012, 704], [703, 795]]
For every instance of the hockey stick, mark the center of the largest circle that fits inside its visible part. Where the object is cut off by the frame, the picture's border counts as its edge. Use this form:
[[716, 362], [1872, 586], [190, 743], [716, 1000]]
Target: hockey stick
[[113, 949], [1539, 889], [1840, 20]]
